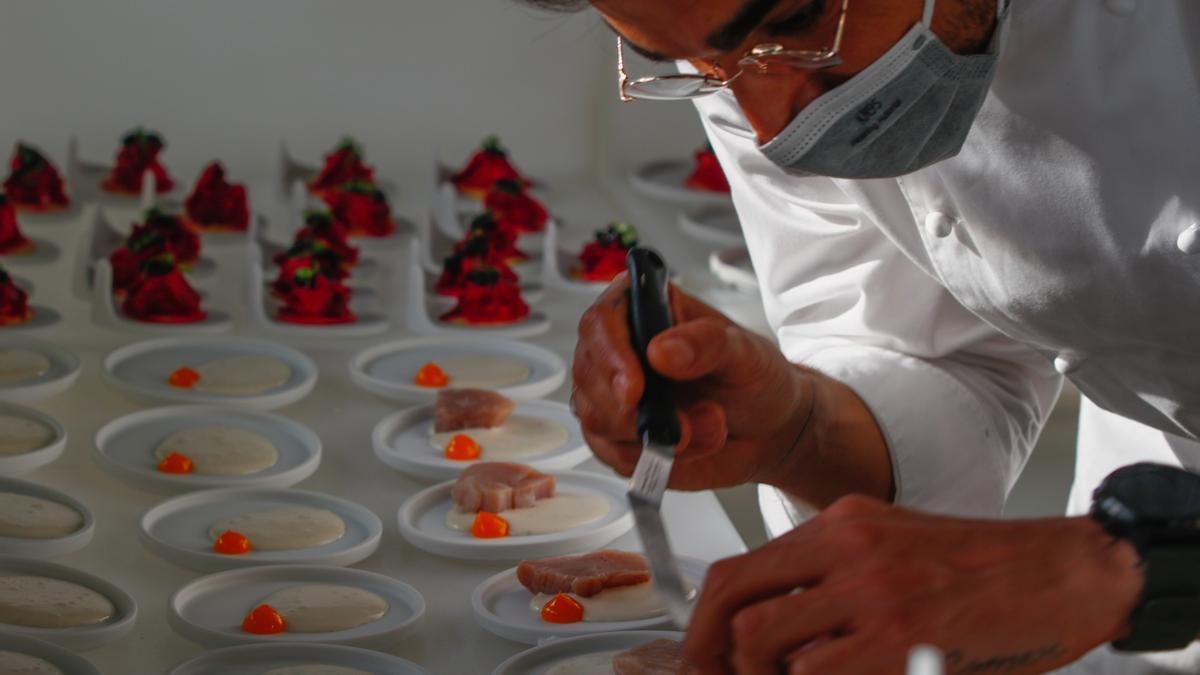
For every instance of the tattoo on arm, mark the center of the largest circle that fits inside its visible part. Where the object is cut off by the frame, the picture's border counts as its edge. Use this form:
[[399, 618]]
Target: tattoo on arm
[[961, 663]]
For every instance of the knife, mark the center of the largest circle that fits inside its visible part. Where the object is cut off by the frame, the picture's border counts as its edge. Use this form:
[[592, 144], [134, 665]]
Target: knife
[[649, 315]]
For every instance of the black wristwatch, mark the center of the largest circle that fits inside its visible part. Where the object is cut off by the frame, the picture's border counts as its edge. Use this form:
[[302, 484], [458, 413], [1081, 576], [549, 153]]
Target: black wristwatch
[[1157, 508]]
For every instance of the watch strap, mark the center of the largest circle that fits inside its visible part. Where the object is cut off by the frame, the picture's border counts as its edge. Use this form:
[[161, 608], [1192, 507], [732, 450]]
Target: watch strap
[[1167, 616]]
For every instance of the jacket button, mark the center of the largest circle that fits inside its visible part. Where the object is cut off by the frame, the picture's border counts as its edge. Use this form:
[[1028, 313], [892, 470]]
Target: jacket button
[[1189, 239], [939, 225], [1122, 7], [1067, 363]]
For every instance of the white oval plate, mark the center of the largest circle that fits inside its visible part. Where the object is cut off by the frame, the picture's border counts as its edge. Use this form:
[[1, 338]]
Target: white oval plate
[[210, 609], [539, 660], [60, 658], [44, 318], [178, 529], [733, 266], [125, 447], [402, 442], [388, 369], [81, 638], [64, 370], [423, 523], [44, 252], [717, 226], [47, 548], [502, 607], [258, 659], [664, 181], [141, 369], [26, 462]]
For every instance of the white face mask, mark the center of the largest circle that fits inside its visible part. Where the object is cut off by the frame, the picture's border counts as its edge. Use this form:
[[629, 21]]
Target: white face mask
[[909, 109]]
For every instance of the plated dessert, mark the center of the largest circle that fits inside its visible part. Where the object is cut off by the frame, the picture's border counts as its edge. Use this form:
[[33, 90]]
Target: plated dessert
[[160, 293], [137, 156], [478, 425], [603, 258], [489, 165], [706, 173], [15, 310], [216, 205], [309, 284], [343, 165], [33, 182], [159, 234], [514, 208], [499, 499], [363, 207], [12, 240]]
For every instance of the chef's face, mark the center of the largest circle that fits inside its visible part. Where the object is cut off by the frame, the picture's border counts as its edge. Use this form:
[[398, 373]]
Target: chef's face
[[709, 34]]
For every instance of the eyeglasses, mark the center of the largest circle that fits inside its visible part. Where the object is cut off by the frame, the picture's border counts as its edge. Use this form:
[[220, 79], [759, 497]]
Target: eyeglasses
[[762, 57]]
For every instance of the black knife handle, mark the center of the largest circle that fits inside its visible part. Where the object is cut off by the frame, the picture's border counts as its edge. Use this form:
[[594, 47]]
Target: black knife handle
[[649, 315]]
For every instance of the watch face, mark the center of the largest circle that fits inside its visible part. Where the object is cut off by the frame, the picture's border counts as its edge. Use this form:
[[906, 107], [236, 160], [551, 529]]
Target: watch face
[[1155, 492]]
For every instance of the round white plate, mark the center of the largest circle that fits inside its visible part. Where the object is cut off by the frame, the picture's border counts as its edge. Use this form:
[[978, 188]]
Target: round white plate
[[26, 462], [80, 638], [423, 523], [502, 607], [141, 369], [664, 181], [258, 659], [178, 529], [125, 447], [64, 370], [44, 252], [388, 369], [60, 658], [733, 266], [537, 323], [402, 442], [717, 226], [210, 609], [539, 660], [47, 548], [43, 318]]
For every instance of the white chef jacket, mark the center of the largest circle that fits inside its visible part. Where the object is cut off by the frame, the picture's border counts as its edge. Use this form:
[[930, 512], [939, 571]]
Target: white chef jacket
[[1062, 239]]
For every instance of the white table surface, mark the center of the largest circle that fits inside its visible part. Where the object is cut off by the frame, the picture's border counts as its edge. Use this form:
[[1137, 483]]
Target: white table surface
[[447, 641]]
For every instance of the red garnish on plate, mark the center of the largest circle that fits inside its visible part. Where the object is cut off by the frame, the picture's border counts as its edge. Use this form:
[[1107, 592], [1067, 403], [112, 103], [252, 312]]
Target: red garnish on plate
[[463, 448], [604, 258], [320, 226], [501, 240], [488, 165], [183, 378], [343, 165], [513, 208], [362, 207], [430, 375], [159, 235], [456, 268], [175, 463], [305, 255], [486, 299], [264, 620], [12, 240], [138, 154], [315, 299], [707, 175], [216, 204], [162, 294], [489, 526], [231, 542], [562, 608], [14, 302], [33, 183]]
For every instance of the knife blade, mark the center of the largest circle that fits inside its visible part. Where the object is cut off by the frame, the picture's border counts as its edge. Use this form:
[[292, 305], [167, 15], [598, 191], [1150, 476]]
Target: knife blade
[[649, 315]]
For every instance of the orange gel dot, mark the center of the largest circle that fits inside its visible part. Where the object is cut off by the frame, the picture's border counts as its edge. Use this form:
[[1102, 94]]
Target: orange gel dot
[[462, 448], [562, 608], [264, 620], [430, 375], [232, 542], [175, 463], [489, 526], [184, 378]]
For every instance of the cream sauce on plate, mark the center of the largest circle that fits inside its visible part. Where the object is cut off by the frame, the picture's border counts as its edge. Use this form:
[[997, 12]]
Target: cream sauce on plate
[[242, 375], [326, 608], [316, 670], [221, 451], [15, 663], [599, 663], [554, 514], [43, 602], [19, 365], [284, 528], [519, 437], [29, 517], [624, 603], [19, 435], [483, 372]]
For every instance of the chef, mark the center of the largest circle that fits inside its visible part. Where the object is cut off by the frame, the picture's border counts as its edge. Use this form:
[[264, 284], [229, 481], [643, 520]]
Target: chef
[[950, 205]]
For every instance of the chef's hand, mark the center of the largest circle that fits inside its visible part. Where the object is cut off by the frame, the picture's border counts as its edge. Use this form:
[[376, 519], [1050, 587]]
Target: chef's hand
[[742, 408], [995, 596]]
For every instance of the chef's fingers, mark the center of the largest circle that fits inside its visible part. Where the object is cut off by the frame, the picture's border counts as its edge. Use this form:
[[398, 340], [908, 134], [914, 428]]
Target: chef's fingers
[[598, 414], [707, 430], [604, 338], [713, 348], [622, 457], [849, 654], [765, 634]]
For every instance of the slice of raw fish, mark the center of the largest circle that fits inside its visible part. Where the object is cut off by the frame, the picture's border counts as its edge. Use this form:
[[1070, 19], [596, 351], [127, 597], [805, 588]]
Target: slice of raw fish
[[658, 657], [470, 409], [499, 486], [584, 575]]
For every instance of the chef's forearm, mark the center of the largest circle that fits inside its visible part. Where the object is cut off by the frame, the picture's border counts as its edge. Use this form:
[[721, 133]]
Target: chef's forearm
[[835, 451]]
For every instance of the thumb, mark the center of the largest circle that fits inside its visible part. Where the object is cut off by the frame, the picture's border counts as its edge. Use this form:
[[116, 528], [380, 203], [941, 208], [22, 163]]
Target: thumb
[[709, 347]]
